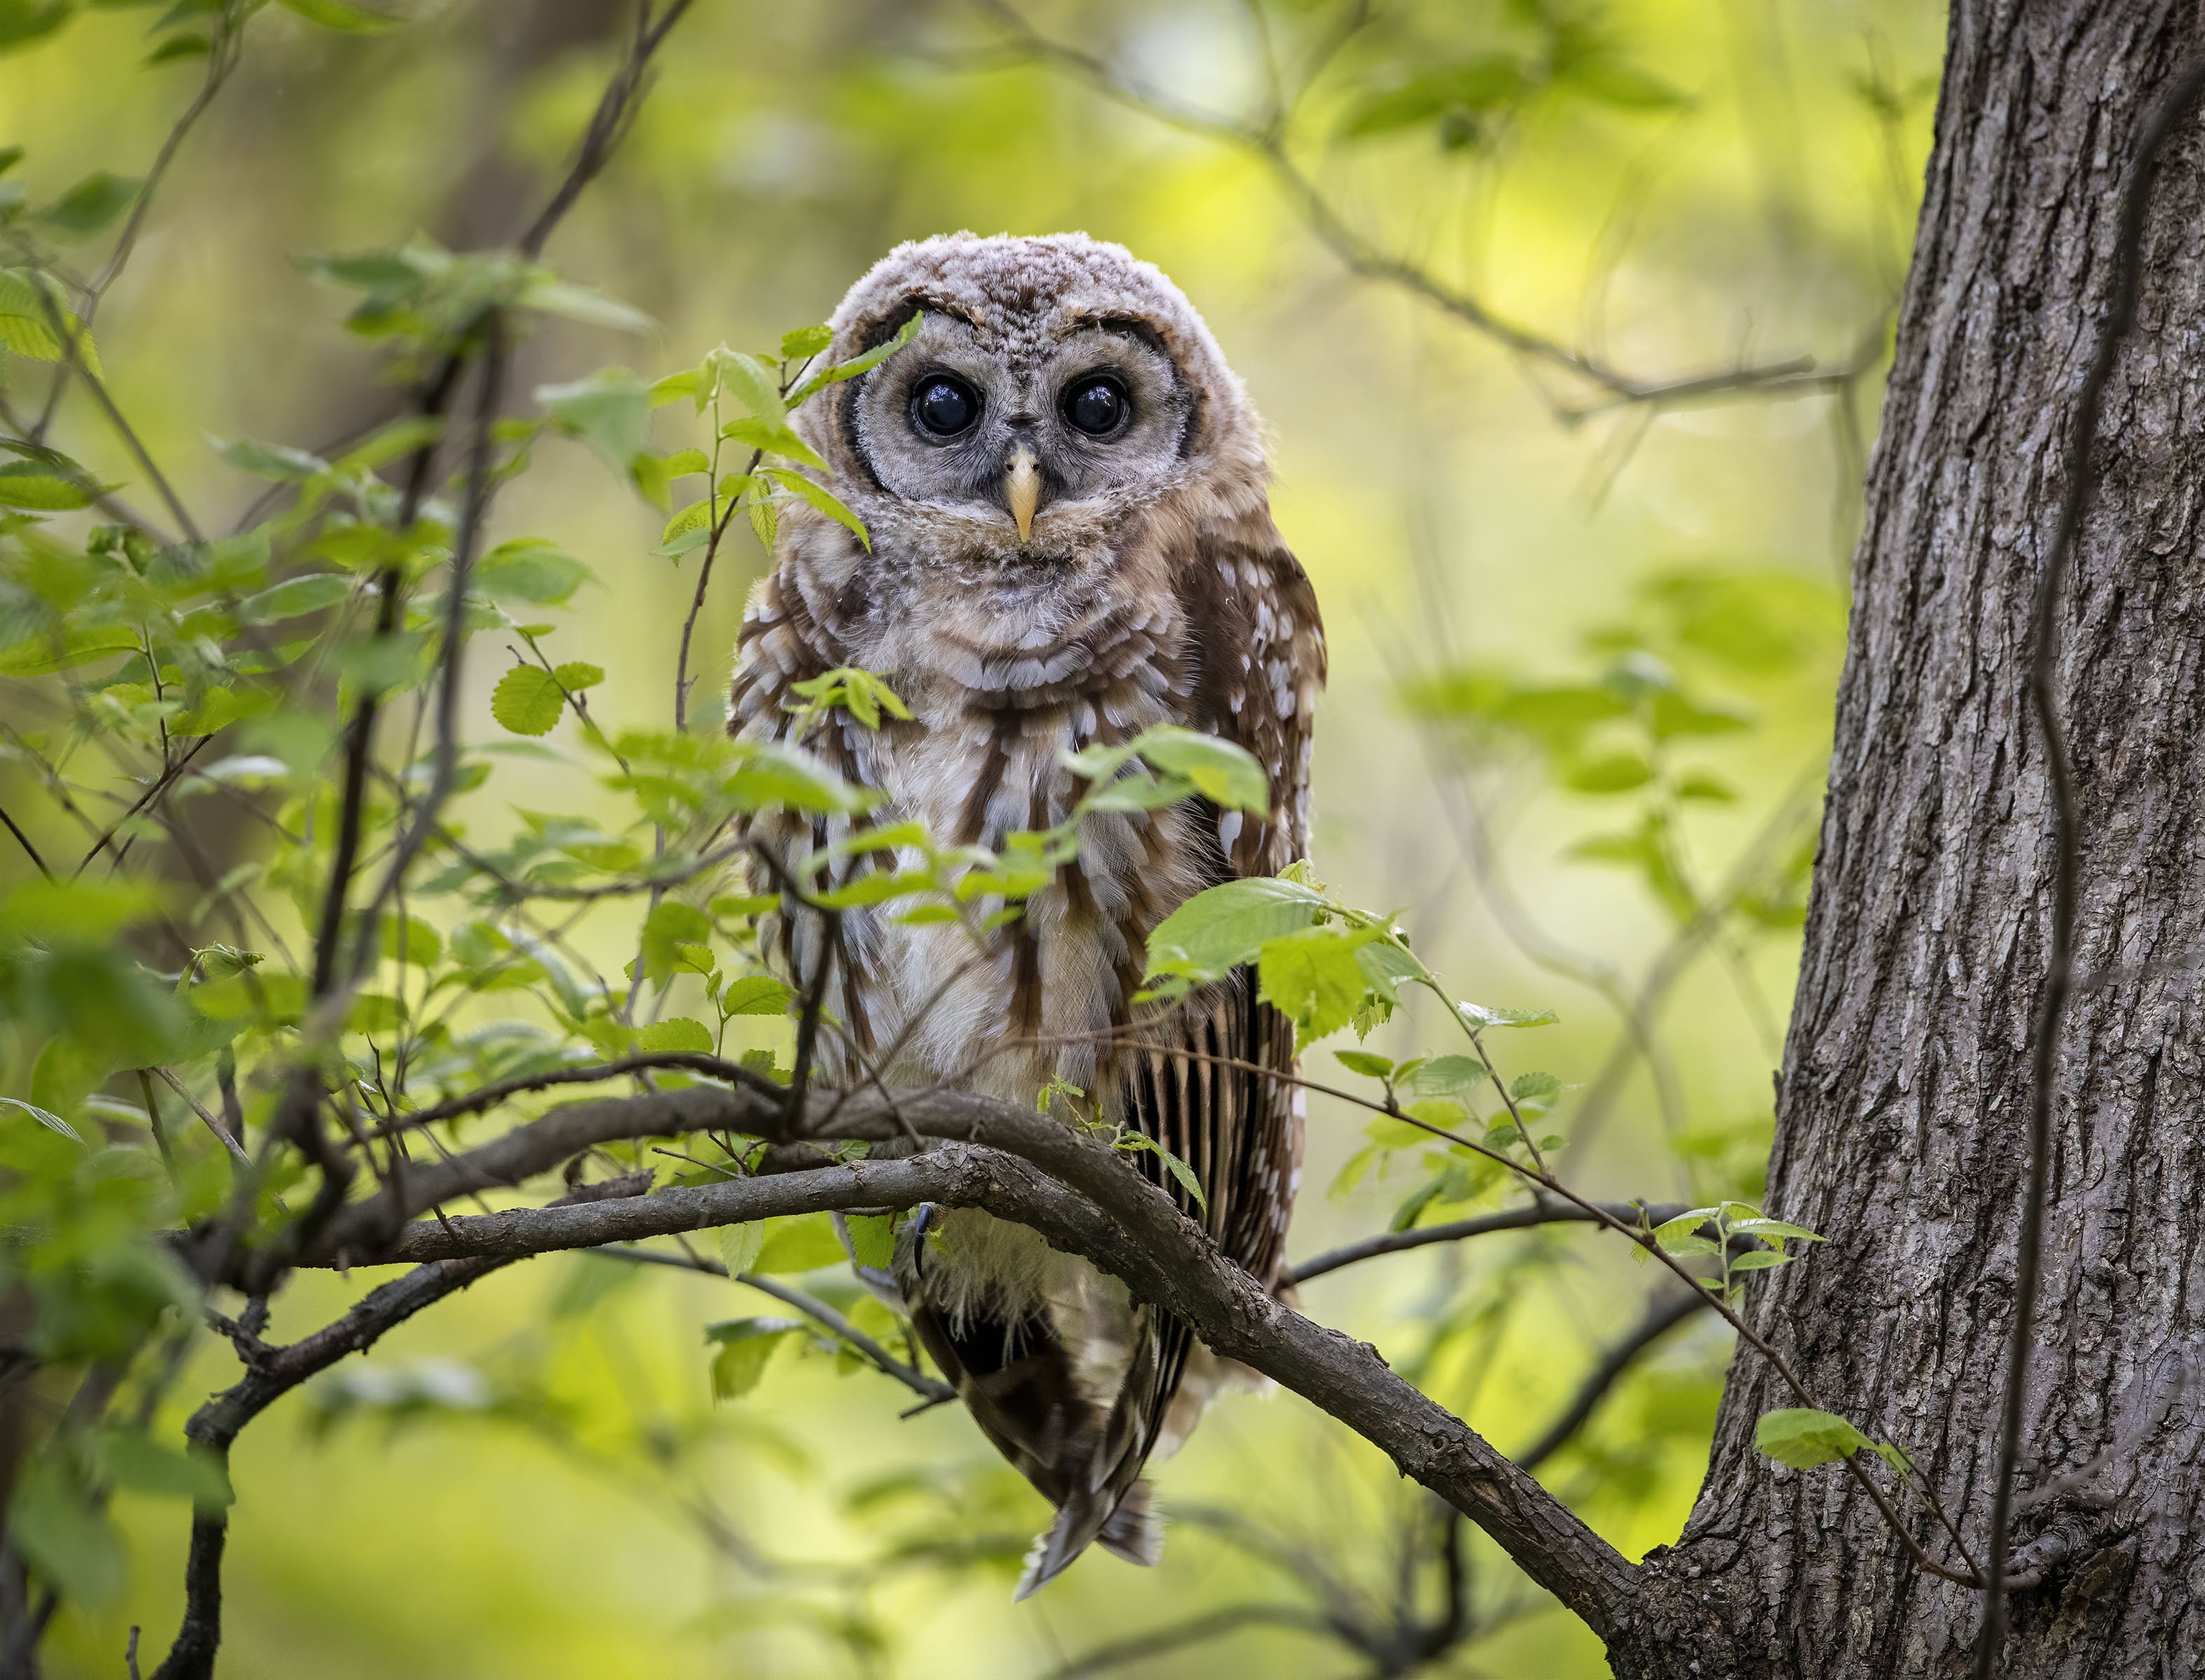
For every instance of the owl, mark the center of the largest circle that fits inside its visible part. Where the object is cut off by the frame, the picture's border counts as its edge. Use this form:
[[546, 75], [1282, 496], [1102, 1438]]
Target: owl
[[1064, 486]]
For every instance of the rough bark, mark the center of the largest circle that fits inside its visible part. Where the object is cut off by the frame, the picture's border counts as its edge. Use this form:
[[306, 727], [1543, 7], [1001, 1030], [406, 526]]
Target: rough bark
[[1904, 1092]]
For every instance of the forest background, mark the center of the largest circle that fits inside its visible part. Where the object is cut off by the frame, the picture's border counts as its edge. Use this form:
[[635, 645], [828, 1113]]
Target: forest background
[[537, 1480]]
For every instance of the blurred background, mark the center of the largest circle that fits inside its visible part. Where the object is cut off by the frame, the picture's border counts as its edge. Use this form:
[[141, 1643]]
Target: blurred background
[[1583, 629]]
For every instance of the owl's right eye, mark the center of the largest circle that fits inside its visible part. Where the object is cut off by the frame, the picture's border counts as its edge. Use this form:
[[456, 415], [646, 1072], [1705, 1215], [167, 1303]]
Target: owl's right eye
[[944, 405]]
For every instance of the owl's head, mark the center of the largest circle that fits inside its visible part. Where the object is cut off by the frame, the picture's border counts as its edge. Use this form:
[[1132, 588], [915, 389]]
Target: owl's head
[[1060, 399]]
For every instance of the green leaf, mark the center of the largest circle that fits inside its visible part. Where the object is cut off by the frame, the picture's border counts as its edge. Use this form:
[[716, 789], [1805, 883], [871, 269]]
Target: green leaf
[[1535, 1087], [802, 341], [295, 598], [1449, 1076], [1482, 1016], [279, 462], [755, 994], [45, 1118], [37, 486], [585, 304], [676, 1033], [1312, 977], [528, 569], [671, 925], [334, 15], [404, 936], [872, 1239], [1362, 1061], [1178, 1168], [131, 1460], [23, 21], [90, 206], [578, 674], [527, 701], [746, 1344], [857, 365], [774, 440], [683, 463], [799, 1243], [1222, 927], [610, 412], [739, 1246], [855, 690], [74, 1547], [751, 383], [1226, 774], [1803, 1437], [820, 498], [30, 305]]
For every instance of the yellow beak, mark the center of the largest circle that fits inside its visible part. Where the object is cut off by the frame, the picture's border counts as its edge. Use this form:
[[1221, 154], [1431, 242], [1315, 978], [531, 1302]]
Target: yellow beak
[[1022, 490]]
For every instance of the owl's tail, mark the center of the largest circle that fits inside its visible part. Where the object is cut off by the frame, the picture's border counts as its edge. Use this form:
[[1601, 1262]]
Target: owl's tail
[[1132, 1527]]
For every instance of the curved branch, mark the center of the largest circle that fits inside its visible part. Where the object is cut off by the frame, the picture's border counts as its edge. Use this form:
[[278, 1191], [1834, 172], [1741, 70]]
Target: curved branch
[[1084, 1198]]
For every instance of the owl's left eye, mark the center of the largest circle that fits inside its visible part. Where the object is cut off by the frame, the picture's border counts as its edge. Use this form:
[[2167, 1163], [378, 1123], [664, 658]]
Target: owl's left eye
[[1097, 404]]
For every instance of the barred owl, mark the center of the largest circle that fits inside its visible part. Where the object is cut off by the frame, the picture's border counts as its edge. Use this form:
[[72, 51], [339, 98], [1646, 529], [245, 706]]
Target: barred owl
[[1064, 488]]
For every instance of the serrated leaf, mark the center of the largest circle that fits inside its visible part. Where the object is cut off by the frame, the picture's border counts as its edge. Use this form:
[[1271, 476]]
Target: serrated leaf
[[860, 364], [798, 342], [90, 204], [609, 412], [740, 1245], [278, 462], [526, 701], [70, 1545], [872, 1239], [746, 1345], [677, 1033], [577, 674], [1803, 1437], [1311, 976], [130, 1460], [1226, 774], [1362, 1061], [334, 15], [751, 383], [528, 569], [1222, 927], [825, 500], [773, 440], [295, 598], [799, 1243]]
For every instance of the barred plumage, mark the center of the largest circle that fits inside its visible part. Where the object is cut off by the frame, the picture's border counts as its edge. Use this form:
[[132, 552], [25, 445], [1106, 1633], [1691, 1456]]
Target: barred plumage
[[1035, 585]]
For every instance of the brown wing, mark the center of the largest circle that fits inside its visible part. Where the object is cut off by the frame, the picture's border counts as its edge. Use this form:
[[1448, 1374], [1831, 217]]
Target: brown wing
[[1206, 1091]]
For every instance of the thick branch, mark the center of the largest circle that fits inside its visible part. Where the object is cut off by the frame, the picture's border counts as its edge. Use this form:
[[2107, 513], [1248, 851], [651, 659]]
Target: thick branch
[[1084, 1198]]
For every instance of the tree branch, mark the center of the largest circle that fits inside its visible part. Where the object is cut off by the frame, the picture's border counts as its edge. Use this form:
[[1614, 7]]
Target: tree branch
[[1084, 1198], [1541, 1210]]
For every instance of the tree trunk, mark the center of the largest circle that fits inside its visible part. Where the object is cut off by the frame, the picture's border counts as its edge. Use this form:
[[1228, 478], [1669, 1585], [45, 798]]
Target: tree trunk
[[1902, 1118]]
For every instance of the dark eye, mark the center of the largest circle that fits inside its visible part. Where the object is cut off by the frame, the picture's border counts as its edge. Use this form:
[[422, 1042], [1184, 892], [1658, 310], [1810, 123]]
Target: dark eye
[[1097, 405], [945, 405]]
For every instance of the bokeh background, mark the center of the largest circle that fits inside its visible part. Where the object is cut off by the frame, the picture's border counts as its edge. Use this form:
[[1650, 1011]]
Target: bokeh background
[[534, 1480]]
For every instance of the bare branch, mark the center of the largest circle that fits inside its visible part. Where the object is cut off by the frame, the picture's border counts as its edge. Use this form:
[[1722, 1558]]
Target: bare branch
[[1541, 1210]]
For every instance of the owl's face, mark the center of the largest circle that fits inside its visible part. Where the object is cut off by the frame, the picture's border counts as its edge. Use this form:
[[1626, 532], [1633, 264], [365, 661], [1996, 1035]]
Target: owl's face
[[1014, 432], [1016, 463]]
